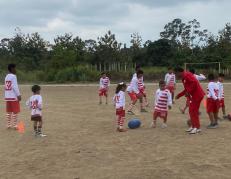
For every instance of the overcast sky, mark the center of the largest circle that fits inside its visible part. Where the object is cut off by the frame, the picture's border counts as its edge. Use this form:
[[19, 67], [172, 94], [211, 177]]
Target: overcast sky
[[92, 18]]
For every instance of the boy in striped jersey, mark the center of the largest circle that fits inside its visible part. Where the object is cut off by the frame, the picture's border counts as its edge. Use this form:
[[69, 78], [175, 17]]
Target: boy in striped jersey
[[170, 80], [221, 95], [104, 83], [163, 102], [12, 97], [212, 102]]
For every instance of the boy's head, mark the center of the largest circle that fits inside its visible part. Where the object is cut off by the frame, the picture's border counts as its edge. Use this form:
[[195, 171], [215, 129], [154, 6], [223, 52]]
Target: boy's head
[[192, 71], [12, 68], [170, 69], [138, 67], [162, 84], [103, 74], [221, 77], [211, 77], [36, 89], [179, 72], [139, 73]]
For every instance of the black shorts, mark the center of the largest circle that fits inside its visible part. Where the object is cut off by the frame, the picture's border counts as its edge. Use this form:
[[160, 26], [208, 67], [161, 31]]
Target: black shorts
[[36, 118]]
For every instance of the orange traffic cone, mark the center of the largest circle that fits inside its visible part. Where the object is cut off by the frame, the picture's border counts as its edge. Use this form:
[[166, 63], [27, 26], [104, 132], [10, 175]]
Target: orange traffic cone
[[21, 127]]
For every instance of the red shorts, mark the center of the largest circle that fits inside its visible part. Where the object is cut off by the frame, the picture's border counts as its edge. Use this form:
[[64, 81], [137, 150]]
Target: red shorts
[[161, 114], [103, 92], [222, 103], [12, 106], [133, 96], [212, 105], [171, 88], [120, 112]]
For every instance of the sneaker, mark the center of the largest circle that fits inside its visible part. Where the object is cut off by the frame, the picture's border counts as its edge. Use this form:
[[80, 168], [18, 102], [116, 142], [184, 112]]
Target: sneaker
[[121, 130], [199, 130], [143, 110], [189, 129], [42, 135], [130, 112], [193, 131], [163, 126], [212, 126], [225, 117]]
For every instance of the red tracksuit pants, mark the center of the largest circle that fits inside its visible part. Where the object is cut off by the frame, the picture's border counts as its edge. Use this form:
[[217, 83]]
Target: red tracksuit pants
[[194, 106]]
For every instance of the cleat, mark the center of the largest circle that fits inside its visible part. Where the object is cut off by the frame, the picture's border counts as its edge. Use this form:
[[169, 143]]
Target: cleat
[[163, 126], [193, 131], [189, 129]]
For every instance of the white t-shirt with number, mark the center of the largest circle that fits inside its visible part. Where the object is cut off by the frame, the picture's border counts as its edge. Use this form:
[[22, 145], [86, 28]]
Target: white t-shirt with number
[[35, 104], [119, 100], [11, 88]]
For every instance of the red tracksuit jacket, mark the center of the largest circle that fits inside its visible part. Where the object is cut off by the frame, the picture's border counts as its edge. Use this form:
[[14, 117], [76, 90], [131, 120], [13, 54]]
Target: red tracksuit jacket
[[191, 86]]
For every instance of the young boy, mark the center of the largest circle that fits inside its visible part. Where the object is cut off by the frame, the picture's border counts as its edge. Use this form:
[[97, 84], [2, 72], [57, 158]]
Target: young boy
[[134, 93], [163, 102], [212, 102], [12, 97], [170, 80], [221, 94], [35, 104], [104, 83]]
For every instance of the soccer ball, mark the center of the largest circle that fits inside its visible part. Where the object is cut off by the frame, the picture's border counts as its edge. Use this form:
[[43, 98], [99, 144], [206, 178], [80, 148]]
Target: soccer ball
[[134, 123]]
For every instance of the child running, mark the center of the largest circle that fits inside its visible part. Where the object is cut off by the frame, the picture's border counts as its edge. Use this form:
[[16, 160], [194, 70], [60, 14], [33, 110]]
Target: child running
[[119, 101], [104, 83], [212, 102], [163, 102], [221, 95], [35, 104], [170, 81], [12, 97]]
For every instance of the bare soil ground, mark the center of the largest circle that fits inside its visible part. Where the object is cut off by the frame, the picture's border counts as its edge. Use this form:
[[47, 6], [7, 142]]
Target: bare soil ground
[[82, 142]]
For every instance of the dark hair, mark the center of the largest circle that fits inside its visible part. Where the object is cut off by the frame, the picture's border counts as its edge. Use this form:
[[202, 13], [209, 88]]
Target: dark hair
[[169, 68], [139, 72], [211, 76], [178, 69], [161, 82], [103, 73], [192, 71], [35, 88], [221, 75], [120, 86], [137, 67], [11, 66]]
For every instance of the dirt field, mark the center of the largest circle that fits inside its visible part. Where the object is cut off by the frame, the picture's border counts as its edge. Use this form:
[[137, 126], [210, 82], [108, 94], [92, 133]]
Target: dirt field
[[82, 142]]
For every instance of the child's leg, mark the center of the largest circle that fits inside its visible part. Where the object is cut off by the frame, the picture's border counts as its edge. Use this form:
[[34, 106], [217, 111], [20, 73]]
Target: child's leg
[[15, 120], [100, 99], [130, 107], [154, 120], [8, 119], [215, 117], [211, 118], [172, 96], [40, 127], [35, 127], [223, 111], [106, 99]]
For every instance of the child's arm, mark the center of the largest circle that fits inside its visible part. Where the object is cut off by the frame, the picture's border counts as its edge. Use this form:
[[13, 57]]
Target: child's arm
[[169, 100], [40, 102], [101, 83], [16, 88], [201, 77], [28, 104]]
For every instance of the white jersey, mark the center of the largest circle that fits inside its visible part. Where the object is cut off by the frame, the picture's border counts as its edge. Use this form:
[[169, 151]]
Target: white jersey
[[104, 82], [11, 88], [134, 86], [170, 79], [119, 100], [35, 104], [221, 90], [212, 90], [200, 77], [163, 99]]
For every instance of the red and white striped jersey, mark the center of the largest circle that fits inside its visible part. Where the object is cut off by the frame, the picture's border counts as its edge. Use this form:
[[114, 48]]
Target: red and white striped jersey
[[11, 88], [200, 77], [140, 84], [163, 99], [212, 90], [221, 90], [170, 79], [119, 100], [35, 104], [104, 82]]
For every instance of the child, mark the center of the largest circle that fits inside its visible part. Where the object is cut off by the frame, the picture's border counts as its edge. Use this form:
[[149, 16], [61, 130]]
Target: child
[[119, 100], [221, 94], [12, 97], [212, 102], [170, 80], [163, 102], [104, 83], [135, 94], [199, 77], [35, 104]]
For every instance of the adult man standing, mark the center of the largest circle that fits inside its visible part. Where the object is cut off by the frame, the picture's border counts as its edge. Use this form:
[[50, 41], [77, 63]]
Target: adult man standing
[[194, 91]]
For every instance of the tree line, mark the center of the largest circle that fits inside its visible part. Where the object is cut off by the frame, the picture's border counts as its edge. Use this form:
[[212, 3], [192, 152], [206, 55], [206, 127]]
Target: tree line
[[71, 56]]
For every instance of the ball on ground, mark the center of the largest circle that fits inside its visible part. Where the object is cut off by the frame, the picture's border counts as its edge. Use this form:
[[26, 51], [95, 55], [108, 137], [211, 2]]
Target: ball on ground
[[134, 123]]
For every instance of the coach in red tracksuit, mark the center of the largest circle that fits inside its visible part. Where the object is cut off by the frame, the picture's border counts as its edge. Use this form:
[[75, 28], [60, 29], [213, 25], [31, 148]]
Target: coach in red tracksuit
[[194, 91]]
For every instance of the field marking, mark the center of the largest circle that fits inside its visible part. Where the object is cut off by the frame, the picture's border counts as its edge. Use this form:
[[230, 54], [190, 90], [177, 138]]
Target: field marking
[[92, 85]]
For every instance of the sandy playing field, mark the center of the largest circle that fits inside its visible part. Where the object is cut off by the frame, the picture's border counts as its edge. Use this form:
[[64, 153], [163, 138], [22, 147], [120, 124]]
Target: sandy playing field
[[82, 142]]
